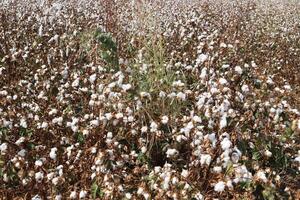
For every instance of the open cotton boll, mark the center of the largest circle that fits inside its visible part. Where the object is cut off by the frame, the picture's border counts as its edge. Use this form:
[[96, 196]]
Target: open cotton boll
[[73, 195], [238, 70], [53, 153], [38, 163], [171, 152], [126, 87], [219, 187], [223, 81], [262, 176], [199, 196], [92, 78], [153, 127], [128, 195], [181, 96], [82, 194], [202, 58], [20, 141], [203, 73], [205, 159], [226, 144], [223, 121], [245, 88], [75, 83], [39, 176], [3, 148], [23, 123], [268, 153], [185, 173], [217, 169], [143, 149], [164, 119]]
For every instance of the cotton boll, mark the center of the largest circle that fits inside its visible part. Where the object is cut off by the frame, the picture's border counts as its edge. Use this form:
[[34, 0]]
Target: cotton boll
[[20, 141], [36, 197], [162, 94], [185, 173], [23, 123], [119, 115], [262, 176], [238, 70], [38, 163], [94, 123], [223, 121], [181, 96], [39, 176], [22, 153], [171, 152], [44, 125], [128, 196], [55, 181], [199, 196], [245, 88], [268, 153], [53, 112], [82, 194], [223, 81], [92, 78], [205, 159], [75, 83], [53, 153], [197, 119], [153, 127], [58, 197], [143, 149], [85, 132], [126, 87], [225, 66], [226, 144], [73, 195], [203, 73], [144, 129], [202, 58], [229, 184], [217, 169], [164, 119], [219, 187], [3, 148], [223, 45]]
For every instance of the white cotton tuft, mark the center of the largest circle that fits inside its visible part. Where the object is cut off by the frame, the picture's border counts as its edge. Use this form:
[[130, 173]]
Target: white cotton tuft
[[226, 144], [3, 148], [223, 121], [219, 187], [53, 153], [92, 78], [238, 70], [39, 176], [171, 152], [202, 58], [164, 119], [262, 176], [73, 195], [245, 88], [223, 81], [268, 153], [82, 194], [205, 159]]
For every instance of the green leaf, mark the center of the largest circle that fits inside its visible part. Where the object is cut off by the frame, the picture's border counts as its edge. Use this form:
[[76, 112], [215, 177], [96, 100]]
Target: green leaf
[[256, 155], [96, 191], [80, 137]]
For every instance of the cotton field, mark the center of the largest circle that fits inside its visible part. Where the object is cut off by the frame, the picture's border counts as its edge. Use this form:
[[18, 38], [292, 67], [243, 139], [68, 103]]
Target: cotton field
[[149, 99]]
